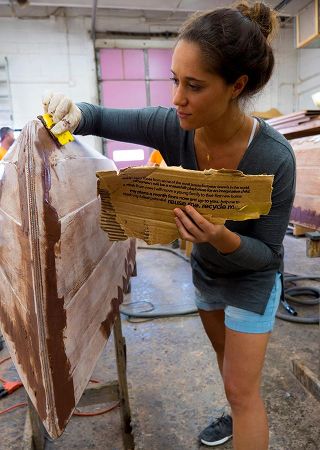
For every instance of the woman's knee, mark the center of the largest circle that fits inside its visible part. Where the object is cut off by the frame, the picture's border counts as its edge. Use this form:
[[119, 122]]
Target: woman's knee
[[239, 394]]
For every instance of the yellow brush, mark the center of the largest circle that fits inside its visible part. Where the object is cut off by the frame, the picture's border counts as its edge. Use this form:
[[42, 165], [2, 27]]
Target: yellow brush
[[62, 138]]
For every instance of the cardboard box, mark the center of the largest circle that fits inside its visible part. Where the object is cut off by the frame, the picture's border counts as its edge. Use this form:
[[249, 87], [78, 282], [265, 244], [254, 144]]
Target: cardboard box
[[139, 201]]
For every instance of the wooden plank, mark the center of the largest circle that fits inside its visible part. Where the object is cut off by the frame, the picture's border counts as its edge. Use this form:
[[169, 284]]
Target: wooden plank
[[299, 230], [308, 129], [291, 123], [306, 377], [294, 115]]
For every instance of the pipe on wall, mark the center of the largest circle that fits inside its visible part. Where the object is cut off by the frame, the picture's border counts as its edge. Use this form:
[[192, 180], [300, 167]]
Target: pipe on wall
[[93, 20]]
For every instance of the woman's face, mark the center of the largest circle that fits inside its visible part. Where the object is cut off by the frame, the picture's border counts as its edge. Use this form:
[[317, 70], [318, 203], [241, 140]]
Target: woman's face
[[200, 97]]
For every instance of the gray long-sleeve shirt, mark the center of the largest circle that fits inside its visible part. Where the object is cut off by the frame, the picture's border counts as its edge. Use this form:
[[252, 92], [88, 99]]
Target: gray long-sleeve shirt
[[245, 277]]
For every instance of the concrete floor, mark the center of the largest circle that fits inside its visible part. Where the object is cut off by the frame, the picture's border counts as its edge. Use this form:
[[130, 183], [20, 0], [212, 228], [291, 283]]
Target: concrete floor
[[175, 386]]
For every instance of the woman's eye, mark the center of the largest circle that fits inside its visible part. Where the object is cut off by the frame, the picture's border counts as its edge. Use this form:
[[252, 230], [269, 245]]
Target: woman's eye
[[195, 87], [174, 80]]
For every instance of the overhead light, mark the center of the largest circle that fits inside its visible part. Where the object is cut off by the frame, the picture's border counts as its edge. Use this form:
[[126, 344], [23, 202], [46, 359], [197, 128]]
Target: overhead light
[[316, 99], [135, 154]]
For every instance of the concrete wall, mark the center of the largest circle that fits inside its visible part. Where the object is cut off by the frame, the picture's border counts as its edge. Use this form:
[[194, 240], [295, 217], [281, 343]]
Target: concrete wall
[[308, 77], [53, 54], [296, 77], [280, 91], [57, 54]]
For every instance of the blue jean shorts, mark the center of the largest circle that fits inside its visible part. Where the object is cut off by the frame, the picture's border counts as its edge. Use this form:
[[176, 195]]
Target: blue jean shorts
[[241, 320]]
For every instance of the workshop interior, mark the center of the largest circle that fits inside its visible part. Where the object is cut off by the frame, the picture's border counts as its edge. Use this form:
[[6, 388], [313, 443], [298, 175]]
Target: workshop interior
[[141, 246]]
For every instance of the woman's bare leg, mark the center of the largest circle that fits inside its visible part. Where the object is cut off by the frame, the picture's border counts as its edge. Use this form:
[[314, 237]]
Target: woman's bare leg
[[242, 366], [213, 322]]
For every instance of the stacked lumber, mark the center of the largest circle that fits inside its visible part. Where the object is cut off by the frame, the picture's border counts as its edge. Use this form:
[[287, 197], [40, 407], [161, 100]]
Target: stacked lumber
[[298, 124], [306, 206], [303, 130]]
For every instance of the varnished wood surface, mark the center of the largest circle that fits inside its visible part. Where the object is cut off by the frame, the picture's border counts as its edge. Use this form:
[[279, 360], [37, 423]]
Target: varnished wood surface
[[61, 280], [306, 206]]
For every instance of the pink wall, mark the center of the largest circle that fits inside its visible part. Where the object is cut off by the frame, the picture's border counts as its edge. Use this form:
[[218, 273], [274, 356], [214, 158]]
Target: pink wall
[[159, 63], [124, 85], [161, 93], [124, 94]]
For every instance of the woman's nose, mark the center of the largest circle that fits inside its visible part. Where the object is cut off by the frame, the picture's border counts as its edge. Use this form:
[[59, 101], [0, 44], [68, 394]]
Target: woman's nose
[[179, 97]]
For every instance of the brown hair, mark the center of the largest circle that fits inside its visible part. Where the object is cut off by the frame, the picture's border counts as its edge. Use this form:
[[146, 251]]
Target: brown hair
[[4, 131], [235, 41]]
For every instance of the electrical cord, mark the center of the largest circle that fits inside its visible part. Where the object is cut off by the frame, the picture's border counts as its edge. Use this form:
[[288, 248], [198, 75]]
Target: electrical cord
[[96, 413], [11, 408], [156, 314], [291, 294], [147, 309], [164, 249], [77, 412]]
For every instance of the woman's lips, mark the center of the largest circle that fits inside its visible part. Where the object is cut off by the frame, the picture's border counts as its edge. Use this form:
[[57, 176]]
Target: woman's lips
[[182, 115]]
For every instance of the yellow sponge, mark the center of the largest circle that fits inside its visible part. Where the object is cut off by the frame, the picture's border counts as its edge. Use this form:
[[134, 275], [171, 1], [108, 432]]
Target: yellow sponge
[[62, 138]]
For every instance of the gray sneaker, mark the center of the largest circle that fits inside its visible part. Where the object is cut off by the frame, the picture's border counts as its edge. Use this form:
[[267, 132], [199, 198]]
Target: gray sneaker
[[218, 432]]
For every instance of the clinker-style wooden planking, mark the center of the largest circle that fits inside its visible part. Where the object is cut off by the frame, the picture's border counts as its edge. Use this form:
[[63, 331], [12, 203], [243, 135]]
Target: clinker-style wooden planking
[[61, 279]]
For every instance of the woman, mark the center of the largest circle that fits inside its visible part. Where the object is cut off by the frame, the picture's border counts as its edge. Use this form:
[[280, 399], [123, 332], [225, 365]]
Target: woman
[[221, 59]]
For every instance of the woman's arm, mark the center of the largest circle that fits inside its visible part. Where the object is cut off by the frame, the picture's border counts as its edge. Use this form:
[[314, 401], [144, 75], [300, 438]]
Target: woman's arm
[[264, 242], [193, 227], [154, 127]]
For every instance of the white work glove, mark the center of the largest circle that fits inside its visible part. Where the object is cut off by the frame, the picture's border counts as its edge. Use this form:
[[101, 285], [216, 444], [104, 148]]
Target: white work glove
[[65, 114]]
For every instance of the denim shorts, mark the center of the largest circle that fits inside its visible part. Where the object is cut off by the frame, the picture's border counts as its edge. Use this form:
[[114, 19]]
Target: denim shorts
[[241, 320]]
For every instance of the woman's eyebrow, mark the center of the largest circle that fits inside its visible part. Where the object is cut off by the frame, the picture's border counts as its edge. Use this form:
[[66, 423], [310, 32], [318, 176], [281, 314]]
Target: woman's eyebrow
[[191, 78]]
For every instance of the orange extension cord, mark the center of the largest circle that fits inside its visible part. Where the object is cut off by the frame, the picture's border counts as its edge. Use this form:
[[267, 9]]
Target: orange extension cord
[[76, 413]]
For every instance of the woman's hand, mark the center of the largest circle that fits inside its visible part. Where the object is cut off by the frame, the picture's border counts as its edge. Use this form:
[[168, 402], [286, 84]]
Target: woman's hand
[[194, 228], [65, 113]]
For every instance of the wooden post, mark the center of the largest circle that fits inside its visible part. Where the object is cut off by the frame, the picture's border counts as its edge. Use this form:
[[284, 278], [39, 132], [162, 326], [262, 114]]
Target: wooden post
[[189, 246], [34, 432], [120, 346], [35, 435], [182, 244], [313, 244]]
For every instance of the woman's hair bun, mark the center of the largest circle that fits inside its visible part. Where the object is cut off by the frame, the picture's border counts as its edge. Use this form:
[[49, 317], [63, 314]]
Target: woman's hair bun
[[262, 15]]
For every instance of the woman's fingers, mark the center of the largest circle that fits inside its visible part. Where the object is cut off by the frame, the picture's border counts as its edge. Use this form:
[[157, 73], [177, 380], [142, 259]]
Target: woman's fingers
[[192, 220], [197, 218], [186, 221], [61, 109], [65, 113], [195, 228], [46, 100], [54, 102], [68, 122], [184, 234]]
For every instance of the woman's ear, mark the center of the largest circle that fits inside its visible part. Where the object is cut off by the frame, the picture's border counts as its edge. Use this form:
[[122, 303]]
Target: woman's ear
[[239, 85]]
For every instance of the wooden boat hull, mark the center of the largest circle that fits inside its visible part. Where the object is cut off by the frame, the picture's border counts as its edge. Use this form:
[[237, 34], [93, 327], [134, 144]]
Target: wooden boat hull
[[61, 279]]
